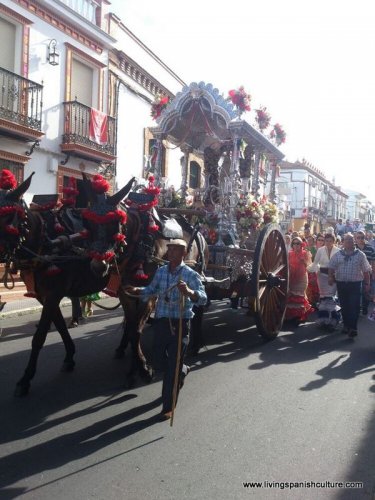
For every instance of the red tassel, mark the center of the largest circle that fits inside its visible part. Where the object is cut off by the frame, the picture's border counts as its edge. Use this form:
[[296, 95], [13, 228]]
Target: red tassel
[[140, 274]]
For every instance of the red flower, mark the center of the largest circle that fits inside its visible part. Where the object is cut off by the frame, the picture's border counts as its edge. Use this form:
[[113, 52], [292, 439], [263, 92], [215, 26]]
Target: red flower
[[263, 118], [240, 99], [278, 134], [159, 104]]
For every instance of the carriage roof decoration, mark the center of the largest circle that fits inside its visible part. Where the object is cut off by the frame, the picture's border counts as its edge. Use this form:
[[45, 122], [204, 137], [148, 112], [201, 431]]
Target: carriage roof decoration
[[202, 121]]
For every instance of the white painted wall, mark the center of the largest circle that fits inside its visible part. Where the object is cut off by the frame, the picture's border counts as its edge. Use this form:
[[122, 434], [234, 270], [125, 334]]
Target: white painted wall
[[133, 115]]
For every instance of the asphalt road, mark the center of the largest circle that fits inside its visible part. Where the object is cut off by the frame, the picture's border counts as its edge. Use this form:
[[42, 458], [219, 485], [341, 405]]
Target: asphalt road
[[298, 409]]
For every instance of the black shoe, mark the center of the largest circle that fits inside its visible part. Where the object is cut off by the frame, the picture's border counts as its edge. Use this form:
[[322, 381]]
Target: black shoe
[[165, 415], [353, 333], [365, 311], [345, 330]]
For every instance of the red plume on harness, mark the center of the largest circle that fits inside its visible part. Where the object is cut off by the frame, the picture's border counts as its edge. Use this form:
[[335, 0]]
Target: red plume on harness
[[70, 192], [99, 184], [154, 190], [7, 180]]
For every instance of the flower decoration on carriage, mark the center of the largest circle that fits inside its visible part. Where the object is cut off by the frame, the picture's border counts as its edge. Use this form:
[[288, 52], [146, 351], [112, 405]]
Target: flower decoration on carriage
[[159, 104], [249, 213], [263, 118], [270, 212], [278, 134], [209, 227], [240, 98]]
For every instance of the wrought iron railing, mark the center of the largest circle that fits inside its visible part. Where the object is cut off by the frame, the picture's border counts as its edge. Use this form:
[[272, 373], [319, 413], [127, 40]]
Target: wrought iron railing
[[86, 8], [21, 100], [77, 128]]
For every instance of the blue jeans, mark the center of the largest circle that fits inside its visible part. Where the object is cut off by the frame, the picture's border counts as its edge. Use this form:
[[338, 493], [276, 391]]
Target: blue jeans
[[165, 354], [349, 293]]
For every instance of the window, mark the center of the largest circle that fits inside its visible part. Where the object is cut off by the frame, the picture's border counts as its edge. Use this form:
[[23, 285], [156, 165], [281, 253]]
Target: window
[[14, 167], [8, 44], [82, 83], [194, 175]]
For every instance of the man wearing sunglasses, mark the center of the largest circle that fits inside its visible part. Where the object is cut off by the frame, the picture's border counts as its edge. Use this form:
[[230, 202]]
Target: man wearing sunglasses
[[368, 250], [349, 268]]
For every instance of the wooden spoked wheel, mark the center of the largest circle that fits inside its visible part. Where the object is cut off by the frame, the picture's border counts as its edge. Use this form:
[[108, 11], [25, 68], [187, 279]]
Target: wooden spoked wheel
[[269, 281]]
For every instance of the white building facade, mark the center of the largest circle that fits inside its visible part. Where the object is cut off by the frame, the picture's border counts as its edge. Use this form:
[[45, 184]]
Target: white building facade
[[308, 197]]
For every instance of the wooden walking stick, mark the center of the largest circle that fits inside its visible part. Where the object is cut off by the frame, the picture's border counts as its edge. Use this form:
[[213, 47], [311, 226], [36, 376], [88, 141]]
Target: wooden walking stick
[[178, 357]]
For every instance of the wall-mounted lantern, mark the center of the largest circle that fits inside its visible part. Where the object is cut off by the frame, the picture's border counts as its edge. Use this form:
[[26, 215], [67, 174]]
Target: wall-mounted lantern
[[53, 56]]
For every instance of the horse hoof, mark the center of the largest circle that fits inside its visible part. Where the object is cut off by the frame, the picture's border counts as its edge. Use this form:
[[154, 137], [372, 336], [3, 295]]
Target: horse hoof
[[21, 390], [68, 366], [119, 354]]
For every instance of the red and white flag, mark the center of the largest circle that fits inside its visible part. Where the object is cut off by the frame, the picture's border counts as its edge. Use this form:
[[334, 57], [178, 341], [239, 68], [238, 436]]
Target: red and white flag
[[98, 126]]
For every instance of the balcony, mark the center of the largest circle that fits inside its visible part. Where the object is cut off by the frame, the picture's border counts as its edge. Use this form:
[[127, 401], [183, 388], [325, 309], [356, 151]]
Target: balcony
[[20, 107], [82, 139], [85, 8]]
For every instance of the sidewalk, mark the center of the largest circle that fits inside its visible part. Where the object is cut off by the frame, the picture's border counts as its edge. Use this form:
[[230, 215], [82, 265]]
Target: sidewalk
[[18, 305]]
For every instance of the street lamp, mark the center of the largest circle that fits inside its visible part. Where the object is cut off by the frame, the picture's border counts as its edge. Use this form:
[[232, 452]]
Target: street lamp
[[53, 56]]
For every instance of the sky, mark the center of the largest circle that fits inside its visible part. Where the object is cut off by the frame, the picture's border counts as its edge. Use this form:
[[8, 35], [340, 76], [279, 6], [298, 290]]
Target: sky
[[310, 63]]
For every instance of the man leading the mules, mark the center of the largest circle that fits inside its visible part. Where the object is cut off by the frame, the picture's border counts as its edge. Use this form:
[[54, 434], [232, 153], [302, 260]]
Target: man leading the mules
[[178, 288]]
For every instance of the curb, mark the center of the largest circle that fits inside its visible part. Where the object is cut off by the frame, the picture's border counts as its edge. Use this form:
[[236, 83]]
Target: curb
[[26, 310]]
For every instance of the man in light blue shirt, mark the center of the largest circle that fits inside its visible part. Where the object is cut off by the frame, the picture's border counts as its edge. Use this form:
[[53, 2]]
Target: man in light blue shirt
[[172, 283]]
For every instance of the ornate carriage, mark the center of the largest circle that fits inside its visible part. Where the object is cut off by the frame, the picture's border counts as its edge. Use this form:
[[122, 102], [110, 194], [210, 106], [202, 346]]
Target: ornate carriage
[[238, 161]]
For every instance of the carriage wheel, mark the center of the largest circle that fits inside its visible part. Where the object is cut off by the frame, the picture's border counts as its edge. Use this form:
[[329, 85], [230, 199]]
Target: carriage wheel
[[269, 281]]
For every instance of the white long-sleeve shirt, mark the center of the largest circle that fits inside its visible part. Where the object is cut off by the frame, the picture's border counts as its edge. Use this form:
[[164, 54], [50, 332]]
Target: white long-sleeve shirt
[[322, 258]]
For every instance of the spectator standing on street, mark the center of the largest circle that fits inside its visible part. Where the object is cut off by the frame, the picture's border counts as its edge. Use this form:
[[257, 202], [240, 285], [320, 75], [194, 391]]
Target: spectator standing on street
[[298, 307], [370, 238], [339, 228], [312, 291], [348, 228], [328, 311], [367, 249], [187, 283], [358, 226], [349, 268]]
